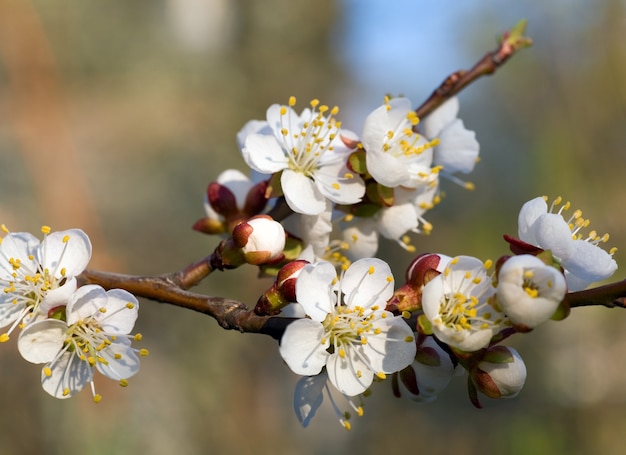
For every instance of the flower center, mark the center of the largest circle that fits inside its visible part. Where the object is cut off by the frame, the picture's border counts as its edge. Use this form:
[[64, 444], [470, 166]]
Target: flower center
[[306, 142]]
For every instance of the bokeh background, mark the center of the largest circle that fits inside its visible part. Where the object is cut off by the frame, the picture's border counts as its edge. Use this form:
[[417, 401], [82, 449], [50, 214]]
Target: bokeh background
[[115, 115]]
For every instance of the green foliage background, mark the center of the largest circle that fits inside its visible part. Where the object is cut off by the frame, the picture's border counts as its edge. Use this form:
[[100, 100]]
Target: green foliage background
[[151, 120]]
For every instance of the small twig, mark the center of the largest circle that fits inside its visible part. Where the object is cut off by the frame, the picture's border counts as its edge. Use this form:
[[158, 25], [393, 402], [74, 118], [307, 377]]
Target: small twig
[[511, 42]]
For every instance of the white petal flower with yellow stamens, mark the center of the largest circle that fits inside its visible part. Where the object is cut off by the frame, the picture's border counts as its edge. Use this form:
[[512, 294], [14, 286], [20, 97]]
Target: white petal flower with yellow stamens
[[458, 304], [529, 291], [309, 152], [92, 331], [404, 216], [457, 150], [37, 276], [581, 257], [395, 155], [348, 332]]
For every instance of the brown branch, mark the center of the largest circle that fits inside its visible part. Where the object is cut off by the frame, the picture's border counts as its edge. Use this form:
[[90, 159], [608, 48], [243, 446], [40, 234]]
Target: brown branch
[[611, 296], [511, 42], [230, 314]]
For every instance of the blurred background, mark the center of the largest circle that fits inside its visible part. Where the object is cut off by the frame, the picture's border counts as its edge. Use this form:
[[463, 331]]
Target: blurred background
[[115, 115]]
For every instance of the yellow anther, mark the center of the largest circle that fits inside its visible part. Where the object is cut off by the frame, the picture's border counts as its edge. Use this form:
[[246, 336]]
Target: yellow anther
[[117, 356], [124, 382], [292, 101], [4, 229], [406, 314], [138, 337], [389, 279], [348, 175], [409, 339], [488, 264], [359, 411], [97, 398], [346, 425], [4, 337], [130, 305], [335, 185], [102, 310], [381, 375], [47, 371], [334, 110], [283, 110], [66, 238], [46, 229], [469, 186], [66, 392], [144, 352], [371, 269]]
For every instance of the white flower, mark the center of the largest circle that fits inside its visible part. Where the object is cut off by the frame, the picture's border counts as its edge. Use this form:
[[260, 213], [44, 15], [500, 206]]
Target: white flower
[[348, 331], [502, 378], [309, 152], [405, 215], [458, 305], [529, 291], [92, 332], [395, 155], [457, 150], [38, 275], [581, 257]]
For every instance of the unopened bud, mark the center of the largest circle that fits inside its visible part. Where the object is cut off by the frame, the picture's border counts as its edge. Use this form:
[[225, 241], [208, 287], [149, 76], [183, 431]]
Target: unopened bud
[[423, 269], [529, 291], [500, 374], [282, 292], [261, 240]]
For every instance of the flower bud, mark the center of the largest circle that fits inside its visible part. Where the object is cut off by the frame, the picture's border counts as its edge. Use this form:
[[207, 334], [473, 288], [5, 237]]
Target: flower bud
[[529, 291], [229, 200], [500, 374], [261, 240], [283, 291], [421, 270], [430, 373]]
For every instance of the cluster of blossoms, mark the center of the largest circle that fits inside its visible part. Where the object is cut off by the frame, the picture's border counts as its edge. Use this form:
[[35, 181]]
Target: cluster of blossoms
[[71, 330], [352, 327]]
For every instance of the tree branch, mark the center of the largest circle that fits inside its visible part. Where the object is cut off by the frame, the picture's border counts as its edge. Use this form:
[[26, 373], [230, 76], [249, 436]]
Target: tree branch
[[511, 42], [230, 314]]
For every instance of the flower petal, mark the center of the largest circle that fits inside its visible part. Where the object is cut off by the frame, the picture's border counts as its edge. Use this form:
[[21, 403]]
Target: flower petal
[[41, 341], [69, 250], [441, 117], [303, 347], [264, 154], [314, 290], [69, 376], [120, 360], [553, 233], [367, 282], [528, 214], [350, 374], [301, 193], [395, 349]]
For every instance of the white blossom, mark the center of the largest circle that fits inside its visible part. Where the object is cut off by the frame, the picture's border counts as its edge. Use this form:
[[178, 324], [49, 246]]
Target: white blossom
[[91, 332], [458, 304], [37, 276], [348, 332], [307, 149], [529, 291], [581, 257]]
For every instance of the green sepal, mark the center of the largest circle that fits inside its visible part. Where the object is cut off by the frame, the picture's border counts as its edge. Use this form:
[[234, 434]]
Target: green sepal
[[562, 311], [274, 188], [423, 325], [498, 354], [356, 162], [366, 210]]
